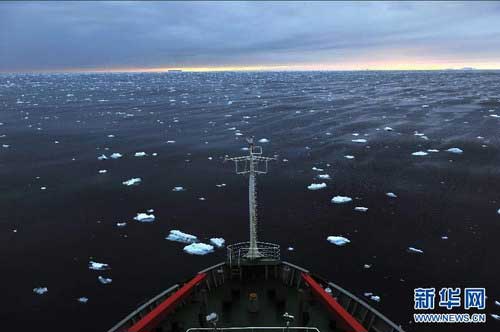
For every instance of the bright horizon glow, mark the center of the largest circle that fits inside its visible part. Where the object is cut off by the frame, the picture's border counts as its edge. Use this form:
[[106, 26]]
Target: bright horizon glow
[[305, 67]]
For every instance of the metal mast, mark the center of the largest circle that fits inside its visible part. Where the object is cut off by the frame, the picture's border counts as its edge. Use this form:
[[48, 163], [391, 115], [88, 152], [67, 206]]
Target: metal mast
[[250, 165]]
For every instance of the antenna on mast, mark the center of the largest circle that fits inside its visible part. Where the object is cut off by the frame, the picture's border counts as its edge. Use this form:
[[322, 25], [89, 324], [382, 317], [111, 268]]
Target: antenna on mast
[[250, 165]]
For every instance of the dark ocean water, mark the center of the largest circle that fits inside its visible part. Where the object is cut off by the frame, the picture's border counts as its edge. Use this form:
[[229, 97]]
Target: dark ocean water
[[309, 119]]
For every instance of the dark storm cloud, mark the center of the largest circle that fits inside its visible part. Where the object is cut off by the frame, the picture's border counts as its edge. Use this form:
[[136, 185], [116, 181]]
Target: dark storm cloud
[[63, 35]]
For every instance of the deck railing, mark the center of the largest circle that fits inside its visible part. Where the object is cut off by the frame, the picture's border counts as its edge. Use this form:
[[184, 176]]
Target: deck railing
[[237, 253]]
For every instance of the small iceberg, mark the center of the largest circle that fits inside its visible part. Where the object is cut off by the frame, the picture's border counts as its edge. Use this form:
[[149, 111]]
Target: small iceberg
[[360, 209], [144, 217], [433, 150], [349, 157], [220, 185], [140, 154], [455, 150], [218, 242], [367, 266], [359, 140], [102, 171], [444, 237], [338, 240], [121, 224], [498, 211], [388, 129], [178, 189], [317, 169], [316, 186], [263, 140], [83, 299], [104, 281], [198, 249], [391, 195], [116, 155], [40, 290], [102, 157], [415, 250], [178, 236], [372, 297], [98, 266], [132, 182], [324, 176], [341, 199], [497, 317], [497, 303], [419, 153]]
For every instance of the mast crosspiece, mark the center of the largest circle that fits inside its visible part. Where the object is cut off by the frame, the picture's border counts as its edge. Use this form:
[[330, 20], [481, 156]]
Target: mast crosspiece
[[250, 166]]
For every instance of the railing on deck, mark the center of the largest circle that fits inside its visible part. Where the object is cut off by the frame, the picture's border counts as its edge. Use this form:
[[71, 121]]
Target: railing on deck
[[236, 253]]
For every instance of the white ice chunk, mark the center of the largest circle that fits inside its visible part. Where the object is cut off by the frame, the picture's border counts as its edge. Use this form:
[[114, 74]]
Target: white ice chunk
[[349, 157], [415, 250], [391, 195], [324, 176], [338, 240], [121, 224], [264, 140], [367, 266], [178, 236], [116, 155], [316, 186], [317, 169], [341, 199], [388, 129], [498, 211], [198, 248], [83, 299], [178, 188], [494, 316], [455, 150], [497, 303], [432, 150], [170, 142], [220, 185], [40, 290], [102, 171], [104, 281], [144, 217], [218, 242], [132, 182], [359, 140], [140, 154], [360, 209], [98, 266], [419, 153], [102, 157]]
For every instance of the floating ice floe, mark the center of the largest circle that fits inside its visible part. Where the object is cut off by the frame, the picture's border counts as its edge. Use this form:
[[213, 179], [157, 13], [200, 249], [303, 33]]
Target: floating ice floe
[[263, 140], [324, 176], [104, 281], [359, 140], [373, 297], [98, 266], [140, 154], [218, 242], [388, 129], [40, 290], [497, 317], [317, 169], [338, 240], [116, 155], [419, 153], [367, 266], [43, 188], [220, 185], [495, 115], [132, 182], [432, 150], [316, 186], [102, 157], [83, 299], [102, 171], [111, 136], [444, 237], [144, 217], [198, 249], [497, 303], [391, 195], [455, 150], [178, 189], [360, 209], [121, 224], [290, 248], [498, 211], [341, 199], [202, 199], [170, 142], [415, 250], [178, 236], [349, 157]]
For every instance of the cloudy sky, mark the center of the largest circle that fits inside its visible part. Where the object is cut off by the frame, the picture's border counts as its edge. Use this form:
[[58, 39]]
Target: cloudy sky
[[56, 36]]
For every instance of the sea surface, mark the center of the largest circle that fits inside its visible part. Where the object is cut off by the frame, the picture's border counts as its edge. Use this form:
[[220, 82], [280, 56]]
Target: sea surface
[[58, 212]]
